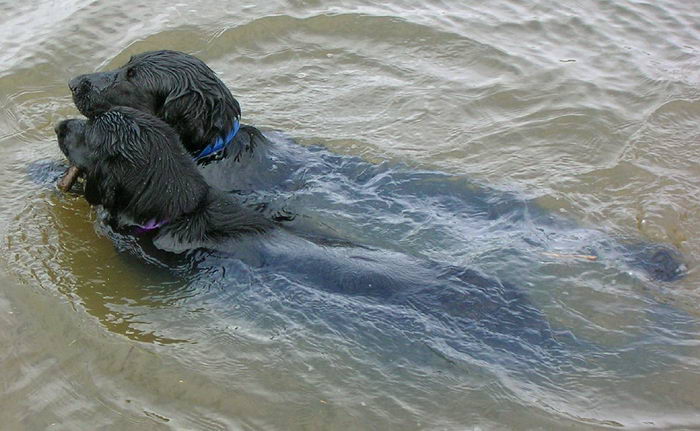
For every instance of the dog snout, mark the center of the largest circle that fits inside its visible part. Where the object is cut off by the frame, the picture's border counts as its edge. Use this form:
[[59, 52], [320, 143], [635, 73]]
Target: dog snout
[[70, 126], [92, 82], [60, 128], [77, 83]]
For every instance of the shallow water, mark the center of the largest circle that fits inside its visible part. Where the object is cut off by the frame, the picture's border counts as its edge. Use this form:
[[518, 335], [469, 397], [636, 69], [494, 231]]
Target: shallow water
[[589, 111]]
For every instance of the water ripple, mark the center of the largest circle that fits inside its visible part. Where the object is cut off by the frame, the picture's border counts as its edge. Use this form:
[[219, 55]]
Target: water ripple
[[589, 110]]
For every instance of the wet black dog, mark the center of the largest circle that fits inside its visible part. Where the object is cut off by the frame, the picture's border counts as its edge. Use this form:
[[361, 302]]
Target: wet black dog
[[178, 88], [182, 91], [185, 93], [137, 169]]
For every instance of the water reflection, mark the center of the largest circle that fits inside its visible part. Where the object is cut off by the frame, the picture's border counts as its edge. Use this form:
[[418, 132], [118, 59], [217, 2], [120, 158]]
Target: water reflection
[[55, 240]]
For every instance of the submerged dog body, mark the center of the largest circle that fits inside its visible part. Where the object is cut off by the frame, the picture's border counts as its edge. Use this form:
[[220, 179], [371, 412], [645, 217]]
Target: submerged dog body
[[137, 170], [182, 91]]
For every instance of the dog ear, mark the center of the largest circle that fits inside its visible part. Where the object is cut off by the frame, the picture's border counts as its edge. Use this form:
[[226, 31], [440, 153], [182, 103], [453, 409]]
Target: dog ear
[[172, 187], [100, 189], [194, 100], [141, 168]]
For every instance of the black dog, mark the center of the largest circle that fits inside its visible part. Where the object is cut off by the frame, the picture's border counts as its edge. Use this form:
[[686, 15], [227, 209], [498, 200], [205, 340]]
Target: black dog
[[181, 90], [178, 88], [138, 171], [185, 93]]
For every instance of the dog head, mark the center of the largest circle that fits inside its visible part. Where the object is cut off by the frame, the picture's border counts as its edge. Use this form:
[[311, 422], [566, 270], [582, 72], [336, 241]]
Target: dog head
[[71, 141], [134, 164], [177, 87]]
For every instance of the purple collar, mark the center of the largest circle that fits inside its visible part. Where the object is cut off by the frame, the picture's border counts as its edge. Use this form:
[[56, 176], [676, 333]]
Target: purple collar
[[150, 225]]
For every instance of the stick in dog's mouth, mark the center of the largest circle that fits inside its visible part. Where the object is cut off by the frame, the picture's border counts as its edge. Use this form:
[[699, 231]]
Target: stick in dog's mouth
[[68, 179]]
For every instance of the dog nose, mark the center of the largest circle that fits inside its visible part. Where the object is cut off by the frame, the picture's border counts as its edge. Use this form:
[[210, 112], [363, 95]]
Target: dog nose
[[60, 127], [75, 83]]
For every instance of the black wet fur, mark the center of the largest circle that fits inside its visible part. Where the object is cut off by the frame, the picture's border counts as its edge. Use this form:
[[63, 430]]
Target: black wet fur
[[178, 88], [137, 170]]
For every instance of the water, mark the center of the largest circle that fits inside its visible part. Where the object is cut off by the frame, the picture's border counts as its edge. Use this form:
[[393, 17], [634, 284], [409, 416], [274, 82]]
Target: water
[[589, 110]]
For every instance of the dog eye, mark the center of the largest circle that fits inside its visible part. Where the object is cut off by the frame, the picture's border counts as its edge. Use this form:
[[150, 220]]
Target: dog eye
[[130, 73]]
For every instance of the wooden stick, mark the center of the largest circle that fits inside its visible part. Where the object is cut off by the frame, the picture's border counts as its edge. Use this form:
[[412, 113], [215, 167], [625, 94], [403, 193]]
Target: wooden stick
[[66, 182]]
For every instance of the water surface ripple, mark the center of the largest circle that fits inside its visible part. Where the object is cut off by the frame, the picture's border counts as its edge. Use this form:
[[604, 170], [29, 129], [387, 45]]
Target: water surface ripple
[[586, 111]]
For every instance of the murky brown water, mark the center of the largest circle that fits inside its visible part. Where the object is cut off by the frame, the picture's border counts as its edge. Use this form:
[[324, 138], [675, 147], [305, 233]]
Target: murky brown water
[[593, 107]]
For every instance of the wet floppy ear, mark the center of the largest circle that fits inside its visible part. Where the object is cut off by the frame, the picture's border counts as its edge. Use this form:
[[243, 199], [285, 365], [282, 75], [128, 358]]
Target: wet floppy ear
[[170, 189], [99, 190], [182, 103], [220, 117], [115, 136]]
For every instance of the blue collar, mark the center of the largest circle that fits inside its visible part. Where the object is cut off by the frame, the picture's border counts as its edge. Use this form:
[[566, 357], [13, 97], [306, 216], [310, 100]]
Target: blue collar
[[220, 143]]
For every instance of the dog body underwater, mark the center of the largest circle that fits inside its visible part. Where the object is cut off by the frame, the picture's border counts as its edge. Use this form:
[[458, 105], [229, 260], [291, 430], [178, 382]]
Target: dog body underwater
[[155, 196], [138, 171], [306, 219], [290, 179]]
